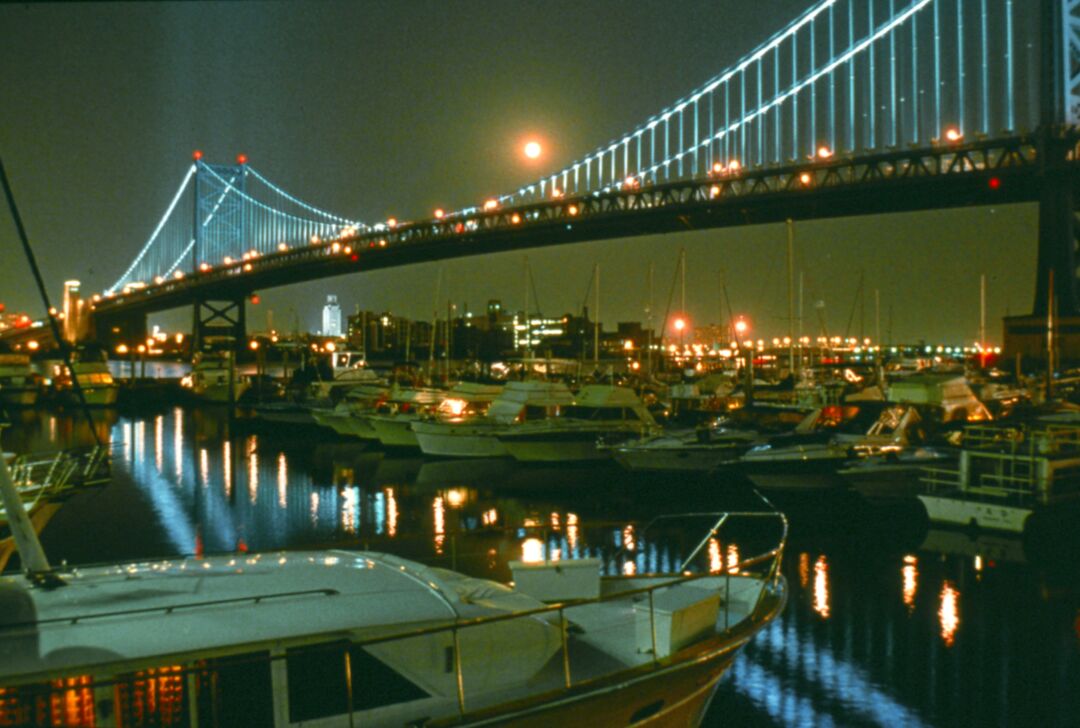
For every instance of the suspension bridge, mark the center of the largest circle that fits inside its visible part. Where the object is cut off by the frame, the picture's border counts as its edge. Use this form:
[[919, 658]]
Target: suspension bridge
[[855, 107]]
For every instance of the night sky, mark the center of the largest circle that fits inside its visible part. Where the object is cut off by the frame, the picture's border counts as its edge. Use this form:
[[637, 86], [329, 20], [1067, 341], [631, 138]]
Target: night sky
[[375, 109]]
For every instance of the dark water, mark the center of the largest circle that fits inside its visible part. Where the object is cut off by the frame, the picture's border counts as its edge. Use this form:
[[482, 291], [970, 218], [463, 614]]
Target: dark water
[[889, 623]]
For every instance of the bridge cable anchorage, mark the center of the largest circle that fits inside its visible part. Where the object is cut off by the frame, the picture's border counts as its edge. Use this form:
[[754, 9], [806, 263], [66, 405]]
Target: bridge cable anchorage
[[157, 231]]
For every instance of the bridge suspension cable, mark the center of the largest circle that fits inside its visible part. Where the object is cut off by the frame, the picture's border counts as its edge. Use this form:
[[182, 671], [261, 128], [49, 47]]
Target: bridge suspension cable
[[784, 101]]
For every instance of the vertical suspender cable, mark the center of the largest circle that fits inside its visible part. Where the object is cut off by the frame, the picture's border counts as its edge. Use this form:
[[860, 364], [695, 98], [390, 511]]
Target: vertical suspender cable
[[960, 63], [871, 86], [915, 79], [794, 97], [937, 69], [851, 78], [832, 79], [983, 41], [1010, 111], [813, 91], [892, 74], [778, 117]]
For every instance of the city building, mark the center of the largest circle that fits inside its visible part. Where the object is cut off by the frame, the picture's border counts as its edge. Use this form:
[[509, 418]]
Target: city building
[[331, 317]]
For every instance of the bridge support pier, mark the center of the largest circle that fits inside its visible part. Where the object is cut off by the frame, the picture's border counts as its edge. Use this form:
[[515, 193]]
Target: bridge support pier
[[1058, 256], [224, 321]]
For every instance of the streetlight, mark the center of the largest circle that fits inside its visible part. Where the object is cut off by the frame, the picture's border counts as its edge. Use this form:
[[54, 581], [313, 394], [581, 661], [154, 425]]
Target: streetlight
[[680, 325], [742, 327]]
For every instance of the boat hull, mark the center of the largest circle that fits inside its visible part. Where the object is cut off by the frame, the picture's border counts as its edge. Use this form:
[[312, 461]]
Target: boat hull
[[459, 441], [394, 431], [672, 460], [18, 396], [554, 447], [345, 424], [966, 512], [795, 475]]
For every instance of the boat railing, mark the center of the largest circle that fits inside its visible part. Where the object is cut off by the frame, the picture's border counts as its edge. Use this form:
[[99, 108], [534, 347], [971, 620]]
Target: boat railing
[[1021, 441]]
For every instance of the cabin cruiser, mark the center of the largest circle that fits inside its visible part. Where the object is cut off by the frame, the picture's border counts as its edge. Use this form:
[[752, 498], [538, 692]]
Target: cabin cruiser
[[20, 385], [347, 417], [215, 378], [475, 437], [339, 638], [948, 393], [392, 421], [704, 449], [1006, 474], [827, 440], [349, 369], [600, 413], [99, 388]]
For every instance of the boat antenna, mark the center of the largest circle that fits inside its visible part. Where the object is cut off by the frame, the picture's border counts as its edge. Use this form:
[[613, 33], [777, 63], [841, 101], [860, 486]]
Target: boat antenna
[[65, 350]]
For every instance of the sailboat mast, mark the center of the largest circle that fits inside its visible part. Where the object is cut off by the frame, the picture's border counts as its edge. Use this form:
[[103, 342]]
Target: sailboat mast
[[649, 317], [596, 324], [982, 310], [791, 294]]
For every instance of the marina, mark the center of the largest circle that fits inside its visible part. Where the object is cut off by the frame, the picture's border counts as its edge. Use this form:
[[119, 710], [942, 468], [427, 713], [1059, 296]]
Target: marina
[[885, 616], [514, 364]]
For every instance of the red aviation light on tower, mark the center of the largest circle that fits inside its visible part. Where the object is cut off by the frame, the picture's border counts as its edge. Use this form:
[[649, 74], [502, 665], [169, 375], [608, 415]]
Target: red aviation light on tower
[[196, 155], [241, 159]]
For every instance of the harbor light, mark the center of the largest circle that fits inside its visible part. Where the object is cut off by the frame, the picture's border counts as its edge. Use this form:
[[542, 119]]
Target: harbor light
[[254, 345], [533, 150], [532, 551], [679, 324], [491, 204], [953, 134], [122, 349], [439, 213], [805, 178], [824, 152], [741, 326]]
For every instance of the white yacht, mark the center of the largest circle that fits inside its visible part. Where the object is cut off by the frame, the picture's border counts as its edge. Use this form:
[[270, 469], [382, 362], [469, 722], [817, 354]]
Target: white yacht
[[339, 638], [600, 413], [829, 439], [702, 450], [392, 422], [99, 388], [349, 370], [348, 417], [1007, 474], [209, 379], [20, 386], [475, 437]]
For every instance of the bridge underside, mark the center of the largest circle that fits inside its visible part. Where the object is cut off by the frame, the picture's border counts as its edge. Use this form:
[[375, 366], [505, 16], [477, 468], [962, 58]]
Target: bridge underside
[[898, 182]]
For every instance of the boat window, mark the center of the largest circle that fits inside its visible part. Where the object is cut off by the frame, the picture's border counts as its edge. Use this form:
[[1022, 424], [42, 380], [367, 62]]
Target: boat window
[[534, 412], [154, 697], [236, 691], [375, 684], [317, 682]]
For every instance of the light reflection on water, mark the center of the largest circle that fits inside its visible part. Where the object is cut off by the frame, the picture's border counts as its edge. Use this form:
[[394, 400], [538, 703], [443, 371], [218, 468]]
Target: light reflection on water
[[880, 628]]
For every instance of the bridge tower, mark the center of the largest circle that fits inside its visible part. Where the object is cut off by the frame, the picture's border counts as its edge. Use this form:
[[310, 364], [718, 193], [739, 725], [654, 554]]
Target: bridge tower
[[219, 229], [1059, 228]]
